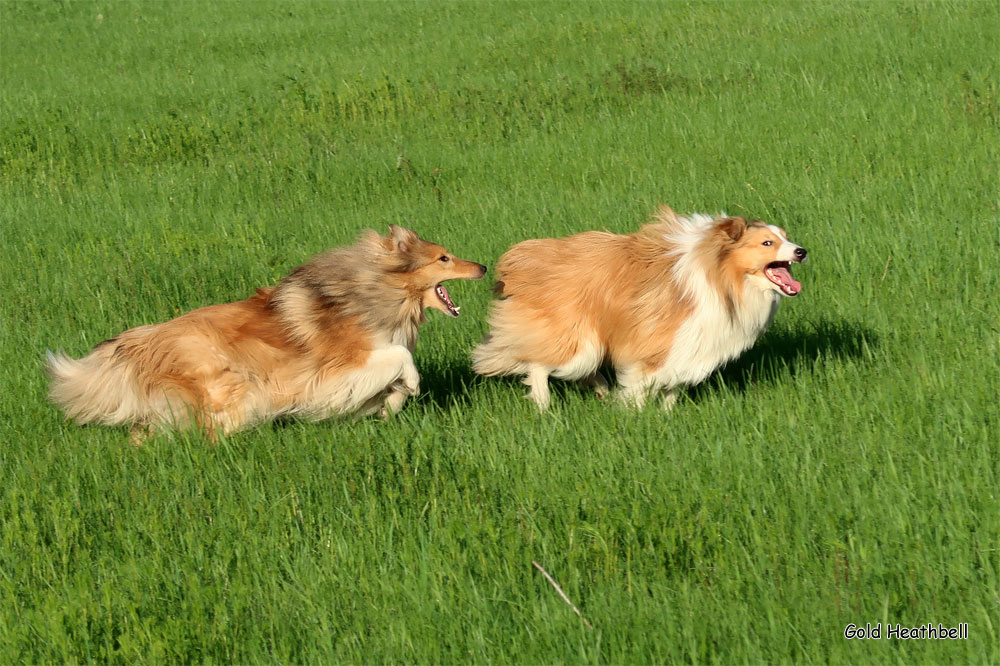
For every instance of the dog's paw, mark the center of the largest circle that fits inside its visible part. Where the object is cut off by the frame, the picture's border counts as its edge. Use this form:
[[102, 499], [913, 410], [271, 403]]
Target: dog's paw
[[393, 403], [541, 400], [409, 383]]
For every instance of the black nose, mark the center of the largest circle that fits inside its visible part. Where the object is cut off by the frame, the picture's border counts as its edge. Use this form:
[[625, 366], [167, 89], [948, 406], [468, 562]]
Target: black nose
[[800, 253], [482, 269]]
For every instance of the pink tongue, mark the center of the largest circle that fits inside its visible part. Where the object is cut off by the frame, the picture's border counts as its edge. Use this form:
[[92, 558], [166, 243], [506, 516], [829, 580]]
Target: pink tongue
[[783, 278], [444, 292]]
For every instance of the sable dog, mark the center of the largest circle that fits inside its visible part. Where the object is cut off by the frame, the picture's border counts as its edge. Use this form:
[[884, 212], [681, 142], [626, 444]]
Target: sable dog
[[334, 337], [665, 306]]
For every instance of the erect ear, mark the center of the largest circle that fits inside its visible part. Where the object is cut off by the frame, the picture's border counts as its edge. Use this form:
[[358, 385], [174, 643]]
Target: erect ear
[[402, 238], [734, 227]]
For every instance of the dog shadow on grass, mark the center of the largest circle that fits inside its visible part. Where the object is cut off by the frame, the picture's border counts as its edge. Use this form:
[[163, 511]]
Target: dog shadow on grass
[[444, 386], [780, 354], [783, 353]]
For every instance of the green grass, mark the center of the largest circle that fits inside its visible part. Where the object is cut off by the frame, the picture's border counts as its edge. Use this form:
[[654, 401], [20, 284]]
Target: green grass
[[156, 157]]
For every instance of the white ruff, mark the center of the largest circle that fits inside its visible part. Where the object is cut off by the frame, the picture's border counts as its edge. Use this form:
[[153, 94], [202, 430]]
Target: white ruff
[[710, 336]]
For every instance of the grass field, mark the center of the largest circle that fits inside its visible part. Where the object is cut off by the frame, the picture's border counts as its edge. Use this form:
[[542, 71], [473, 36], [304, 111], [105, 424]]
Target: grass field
[[157, 157]]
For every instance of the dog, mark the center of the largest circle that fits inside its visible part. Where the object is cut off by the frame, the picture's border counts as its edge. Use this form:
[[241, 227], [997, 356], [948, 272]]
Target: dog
[[334, 337], [664, 306]]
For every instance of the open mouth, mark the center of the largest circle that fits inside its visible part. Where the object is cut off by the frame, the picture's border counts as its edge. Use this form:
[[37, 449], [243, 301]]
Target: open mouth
[[778, 273], [442, 294]]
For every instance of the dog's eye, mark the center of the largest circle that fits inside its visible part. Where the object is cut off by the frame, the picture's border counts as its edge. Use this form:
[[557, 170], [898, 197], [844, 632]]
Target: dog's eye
[[445, 258], [767, 243]]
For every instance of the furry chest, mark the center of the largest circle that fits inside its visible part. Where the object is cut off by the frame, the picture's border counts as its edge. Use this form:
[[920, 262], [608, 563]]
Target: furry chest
[[711, 337]]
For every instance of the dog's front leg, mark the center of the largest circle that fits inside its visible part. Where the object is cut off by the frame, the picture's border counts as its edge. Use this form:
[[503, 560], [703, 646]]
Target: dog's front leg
[[393, 403], [398, 394], [670, 397], [407, 384]]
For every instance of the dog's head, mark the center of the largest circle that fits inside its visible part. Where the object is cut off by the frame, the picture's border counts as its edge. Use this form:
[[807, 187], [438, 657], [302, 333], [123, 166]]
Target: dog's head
[[422, 267], [762, 252]]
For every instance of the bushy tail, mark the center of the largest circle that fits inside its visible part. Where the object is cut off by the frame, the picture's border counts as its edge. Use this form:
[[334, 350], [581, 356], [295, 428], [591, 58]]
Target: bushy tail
[[97, 388]]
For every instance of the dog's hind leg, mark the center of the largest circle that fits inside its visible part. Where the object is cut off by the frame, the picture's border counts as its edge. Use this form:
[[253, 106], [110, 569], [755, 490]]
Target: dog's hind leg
[[597, 382], [538, 380], [634, 386], [229, 401], [584, 367]]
